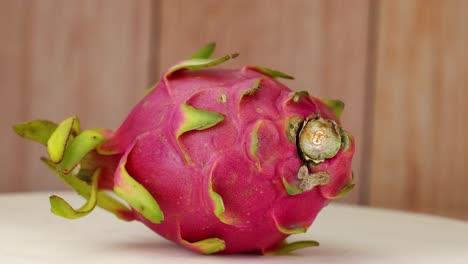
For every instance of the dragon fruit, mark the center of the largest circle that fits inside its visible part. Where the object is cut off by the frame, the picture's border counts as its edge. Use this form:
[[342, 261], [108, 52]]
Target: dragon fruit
[[216, 160]]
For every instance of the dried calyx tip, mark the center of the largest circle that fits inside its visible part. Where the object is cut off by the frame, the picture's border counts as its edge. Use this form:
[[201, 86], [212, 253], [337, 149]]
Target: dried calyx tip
[[310, 180], [318, 139]]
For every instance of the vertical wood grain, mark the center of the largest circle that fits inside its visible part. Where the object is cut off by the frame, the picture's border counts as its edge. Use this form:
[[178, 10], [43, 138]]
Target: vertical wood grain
[[322, 43], [85, 58], [13, 57], [419, 159]]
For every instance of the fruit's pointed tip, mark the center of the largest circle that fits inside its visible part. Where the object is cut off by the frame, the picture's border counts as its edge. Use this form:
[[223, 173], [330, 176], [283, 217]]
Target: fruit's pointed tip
[[205, 52], [211, 44], [36, 130], [270, 72], [17, 129], [337, 106], [287, 76], [286, 248], [20, 128]]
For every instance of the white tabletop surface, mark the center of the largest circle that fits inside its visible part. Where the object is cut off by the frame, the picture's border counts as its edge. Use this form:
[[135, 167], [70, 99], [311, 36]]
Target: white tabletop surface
[[29, 233]]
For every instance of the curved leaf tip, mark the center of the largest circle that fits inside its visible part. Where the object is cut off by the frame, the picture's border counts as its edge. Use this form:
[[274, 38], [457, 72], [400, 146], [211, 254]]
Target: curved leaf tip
[[36, 130], [61, 208], [104, 200], [79, 147], [346, 189], [205, 52], [287, 248], [291, 189], [197, 119], [206, 246], [271, 72], [290, 230], [337, 106], [58, 140], [136, 195], [217, 201], [199, 63]]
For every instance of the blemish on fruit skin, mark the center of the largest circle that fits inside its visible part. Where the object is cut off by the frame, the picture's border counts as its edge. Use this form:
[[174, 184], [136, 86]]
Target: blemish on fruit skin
[[310, 180], [296, 98], [222, 98], [317, 137], [259, 110]]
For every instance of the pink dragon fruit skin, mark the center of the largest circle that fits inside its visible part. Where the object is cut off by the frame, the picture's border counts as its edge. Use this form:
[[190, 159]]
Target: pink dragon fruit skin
[[217, 160]]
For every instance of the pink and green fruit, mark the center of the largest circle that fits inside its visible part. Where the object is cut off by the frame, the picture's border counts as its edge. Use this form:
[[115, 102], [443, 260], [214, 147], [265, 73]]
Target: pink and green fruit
[[216, 160]]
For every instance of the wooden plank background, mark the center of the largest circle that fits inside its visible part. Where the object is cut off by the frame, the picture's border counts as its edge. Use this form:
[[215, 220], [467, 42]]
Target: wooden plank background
[[419, 158], [63, 58], [400, 66]]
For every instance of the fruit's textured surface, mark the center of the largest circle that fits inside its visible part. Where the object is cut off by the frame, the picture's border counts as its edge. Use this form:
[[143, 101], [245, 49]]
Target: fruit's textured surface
[[217, 160]]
